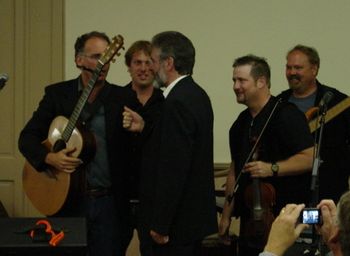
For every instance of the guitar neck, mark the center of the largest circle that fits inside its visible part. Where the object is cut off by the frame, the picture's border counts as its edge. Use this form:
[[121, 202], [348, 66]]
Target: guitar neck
[[81, 103], [331, 113]]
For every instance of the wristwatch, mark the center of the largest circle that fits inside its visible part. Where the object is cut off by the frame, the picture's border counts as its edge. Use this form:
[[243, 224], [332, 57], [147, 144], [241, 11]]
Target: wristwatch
[[274, 169]]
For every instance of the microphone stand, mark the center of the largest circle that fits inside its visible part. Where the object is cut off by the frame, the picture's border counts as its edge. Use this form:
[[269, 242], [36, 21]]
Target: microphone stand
[[316, 247], [317, 161]]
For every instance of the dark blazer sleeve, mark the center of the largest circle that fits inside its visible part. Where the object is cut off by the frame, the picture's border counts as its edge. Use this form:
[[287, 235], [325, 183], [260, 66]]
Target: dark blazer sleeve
[[59, 99]]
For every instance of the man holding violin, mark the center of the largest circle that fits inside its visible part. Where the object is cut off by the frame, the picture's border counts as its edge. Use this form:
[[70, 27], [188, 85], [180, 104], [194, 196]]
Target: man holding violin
[[271, 151]]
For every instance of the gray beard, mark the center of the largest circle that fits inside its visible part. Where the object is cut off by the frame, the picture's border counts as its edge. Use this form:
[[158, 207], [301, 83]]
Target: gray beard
[[158, 83]]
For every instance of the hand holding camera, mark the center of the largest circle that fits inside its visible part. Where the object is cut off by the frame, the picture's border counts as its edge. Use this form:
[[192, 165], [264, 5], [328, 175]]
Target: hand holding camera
[[285, 229], [329, 225]]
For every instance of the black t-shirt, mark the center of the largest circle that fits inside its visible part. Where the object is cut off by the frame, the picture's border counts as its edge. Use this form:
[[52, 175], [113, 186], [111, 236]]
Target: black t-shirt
[[286, 134], [150, 112]]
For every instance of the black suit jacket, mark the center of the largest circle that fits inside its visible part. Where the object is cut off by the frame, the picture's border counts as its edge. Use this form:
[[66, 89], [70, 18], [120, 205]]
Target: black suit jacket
[[60, 99], [177, 184]]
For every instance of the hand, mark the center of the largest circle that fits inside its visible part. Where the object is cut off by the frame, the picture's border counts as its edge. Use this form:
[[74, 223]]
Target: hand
[[158, 238], [132, 121], [328, 229], [62, 161], [284, 230], [224, 228], [258, 169]]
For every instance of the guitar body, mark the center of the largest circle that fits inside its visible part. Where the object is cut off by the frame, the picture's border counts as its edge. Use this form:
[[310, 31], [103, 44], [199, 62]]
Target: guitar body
[[50, 190], [311, 113]]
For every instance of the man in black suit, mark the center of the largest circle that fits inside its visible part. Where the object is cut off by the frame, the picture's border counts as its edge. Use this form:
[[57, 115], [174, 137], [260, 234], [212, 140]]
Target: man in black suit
[[177, 201], [100, 198]]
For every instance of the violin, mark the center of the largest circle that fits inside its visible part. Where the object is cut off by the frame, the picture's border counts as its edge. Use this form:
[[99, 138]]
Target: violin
[[259, 197]]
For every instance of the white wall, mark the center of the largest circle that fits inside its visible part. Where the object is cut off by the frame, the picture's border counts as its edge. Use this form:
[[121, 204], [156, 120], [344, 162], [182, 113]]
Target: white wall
[[221, 31]]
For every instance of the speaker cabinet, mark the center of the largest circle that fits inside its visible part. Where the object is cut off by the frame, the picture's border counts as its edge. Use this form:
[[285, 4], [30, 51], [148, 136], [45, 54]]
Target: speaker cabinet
[[15, 238]]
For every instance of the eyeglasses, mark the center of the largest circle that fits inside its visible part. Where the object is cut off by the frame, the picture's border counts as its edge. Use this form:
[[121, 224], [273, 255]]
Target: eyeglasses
[[96, 56]]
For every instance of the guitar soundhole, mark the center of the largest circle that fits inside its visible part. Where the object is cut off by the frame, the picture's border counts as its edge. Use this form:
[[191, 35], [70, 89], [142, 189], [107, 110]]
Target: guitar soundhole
[[59, 145]]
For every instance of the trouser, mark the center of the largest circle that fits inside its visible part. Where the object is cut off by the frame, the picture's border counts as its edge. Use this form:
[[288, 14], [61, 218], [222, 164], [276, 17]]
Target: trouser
[[106, 232], [191, 249], [149, 248], [143, 233]]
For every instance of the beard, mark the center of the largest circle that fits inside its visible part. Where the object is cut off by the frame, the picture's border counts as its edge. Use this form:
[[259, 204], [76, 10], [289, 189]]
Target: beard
[[156, 84], [161, 79], [294, 81]]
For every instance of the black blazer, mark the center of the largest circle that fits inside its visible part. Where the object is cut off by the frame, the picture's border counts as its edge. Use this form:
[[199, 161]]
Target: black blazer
[[177, 184], [60, 99]]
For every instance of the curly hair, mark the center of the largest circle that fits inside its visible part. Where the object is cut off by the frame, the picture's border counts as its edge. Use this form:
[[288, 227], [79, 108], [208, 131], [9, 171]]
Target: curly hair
[[141, 45]]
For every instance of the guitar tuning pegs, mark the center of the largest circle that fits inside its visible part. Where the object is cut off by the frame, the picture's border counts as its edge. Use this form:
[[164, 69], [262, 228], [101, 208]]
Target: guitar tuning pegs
[[118, 53]]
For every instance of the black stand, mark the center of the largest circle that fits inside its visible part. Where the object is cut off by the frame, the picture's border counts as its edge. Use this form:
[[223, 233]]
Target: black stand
[[317, 161], [15, 239], [316, 245]]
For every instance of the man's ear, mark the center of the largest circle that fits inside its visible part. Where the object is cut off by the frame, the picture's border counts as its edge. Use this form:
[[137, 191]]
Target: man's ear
[[314, 70], [170, 63], [261, 82], [78, 61]]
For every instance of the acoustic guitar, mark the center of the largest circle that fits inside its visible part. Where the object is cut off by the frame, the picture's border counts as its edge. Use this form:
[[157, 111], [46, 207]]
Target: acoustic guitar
[[49, 190], [331, 113]]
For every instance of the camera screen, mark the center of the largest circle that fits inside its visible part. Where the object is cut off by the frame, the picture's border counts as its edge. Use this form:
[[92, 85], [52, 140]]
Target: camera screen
[[310, 216]]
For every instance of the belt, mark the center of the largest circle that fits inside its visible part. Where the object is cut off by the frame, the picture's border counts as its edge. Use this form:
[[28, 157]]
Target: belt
[[98, 192]]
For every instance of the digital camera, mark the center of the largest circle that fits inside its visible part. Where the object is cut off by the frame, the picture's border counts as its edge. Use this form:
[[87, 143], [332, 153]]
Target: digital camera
[[310, 216]]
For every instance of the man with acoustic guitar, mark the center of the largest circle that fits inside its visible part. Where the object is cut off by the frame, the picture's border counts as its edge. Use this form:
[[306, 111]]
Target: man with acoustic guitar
[[97, 173], [307, 93], [271, 152]]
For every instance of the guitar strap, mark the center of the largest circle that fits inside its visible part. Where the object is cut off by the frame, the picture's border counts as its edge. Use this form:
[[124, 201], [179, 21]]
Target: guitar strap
[[90, 109]]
